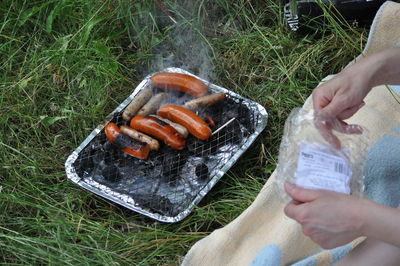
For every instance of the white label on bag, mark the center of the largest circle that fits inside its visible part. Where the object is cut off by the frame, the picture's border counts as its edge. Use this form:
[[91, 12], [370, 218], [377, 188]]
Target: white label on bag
[[320, 170]]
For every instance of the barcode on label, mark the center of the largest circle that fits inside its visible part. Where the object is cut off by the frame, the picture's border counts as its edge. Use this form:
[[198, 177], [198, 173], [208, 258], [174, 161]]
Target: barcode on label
[[340, 168]]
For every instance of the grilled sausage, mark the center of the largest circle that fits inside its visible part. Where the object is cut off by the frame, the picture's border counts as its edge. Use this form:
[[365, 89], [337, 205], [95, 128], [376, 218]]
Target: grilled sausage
[[194, 124], [181, 129], [152, 105], [160, 130], [182, 82], [128, 145], [154, 145], [140, 99], [207, 100]]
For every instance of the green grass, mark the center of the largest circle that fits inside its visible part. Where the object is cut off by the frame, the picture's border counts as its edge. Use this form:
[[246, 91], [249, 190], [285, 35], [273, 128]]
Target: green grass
[[65, 65]]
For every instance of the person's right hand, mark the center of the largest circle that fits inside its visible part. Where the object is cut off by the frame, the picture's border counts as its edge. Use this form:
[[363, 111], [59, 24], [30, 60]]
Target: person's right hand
[[337, 100], [342, 96]]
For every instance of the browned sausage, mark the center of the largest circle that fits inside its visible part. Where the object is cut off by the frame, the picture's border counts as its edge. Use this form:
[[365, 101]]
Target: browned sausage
[[160, 130], [132, 147], [207, 100], [154, 145], [194, 124], [152, 105], [181, 129], [182, 82], [140, 99]]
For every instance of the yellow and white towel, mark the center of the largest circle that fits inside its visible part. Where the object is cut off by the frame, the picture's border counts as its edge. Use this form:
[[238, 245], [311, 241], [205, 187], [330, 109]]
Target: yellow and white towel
[[263, 235]]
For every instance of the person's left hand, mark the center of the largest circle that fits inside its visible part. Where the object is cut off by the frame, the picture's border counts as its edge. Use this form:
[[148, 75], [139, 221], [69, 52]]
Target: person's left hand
[[330, 219]]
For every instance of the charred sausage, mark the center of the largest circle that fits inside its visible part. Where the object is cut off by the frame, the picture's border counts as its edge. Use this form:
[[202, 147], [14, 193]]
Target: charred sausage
[[160, 130], [179, 81], [154, 145], [128, 145], [194, 124]]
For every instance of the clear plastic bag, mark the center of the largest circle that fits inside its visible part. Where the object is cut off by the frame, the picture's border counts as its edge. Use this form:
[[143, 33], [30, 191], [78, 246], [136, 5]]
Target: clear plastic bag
[[314, 156]]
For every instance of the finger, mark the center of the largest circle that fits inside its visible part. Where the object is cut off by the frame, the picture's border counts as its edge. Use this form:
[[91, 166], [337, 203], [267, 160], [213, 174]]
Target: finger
[[300, 194], [290, 210], [320, 100], [297, 212], [349, 112], [325, 123], [295, 202], [343, 127], [331, 138], [335, 107]]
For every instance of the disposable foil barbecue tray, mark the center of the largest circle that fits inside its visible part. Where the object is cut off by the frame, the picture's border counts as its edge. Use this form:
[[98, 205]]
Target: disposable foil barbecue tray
[[169, 183]]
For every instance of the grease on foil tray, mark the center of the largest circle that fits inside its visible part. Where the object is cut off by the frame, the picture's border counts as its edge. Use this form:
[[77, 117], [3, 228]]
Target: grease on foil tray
[[170, 182]]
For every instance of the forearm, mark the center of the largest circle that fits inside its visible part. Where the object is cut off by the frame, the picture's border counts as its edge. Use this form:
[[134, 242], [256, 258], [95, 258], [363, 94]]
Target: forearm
[[388, 72], [382, 68], [382, 223]]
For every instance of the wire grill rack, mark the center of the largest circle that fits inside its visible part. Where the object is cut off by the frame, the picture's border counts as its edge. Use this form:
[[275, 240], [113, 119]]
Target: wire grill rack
[[169, 183]]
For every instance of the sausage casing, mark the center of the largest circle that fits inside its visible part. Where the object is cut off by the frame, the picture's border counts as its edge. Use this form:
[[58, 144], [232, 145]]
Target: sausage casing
[[181, 129], [207, 100], [128, 145], [140, 99], [160, 130], [152, 105], [154, 145], [178, 81], [181, 115]]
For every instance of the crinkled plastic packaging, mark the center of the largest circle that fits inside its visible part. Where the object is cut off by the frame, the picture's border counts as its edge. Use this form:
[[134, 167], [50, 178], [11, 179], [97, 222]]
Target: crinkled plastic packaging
[[320, 152]]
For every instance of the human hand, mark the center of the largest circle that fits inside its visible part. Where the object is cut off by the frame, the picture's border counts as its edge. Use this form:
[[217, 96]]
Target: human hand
[[337, 100], [342, 96], [330, 219]]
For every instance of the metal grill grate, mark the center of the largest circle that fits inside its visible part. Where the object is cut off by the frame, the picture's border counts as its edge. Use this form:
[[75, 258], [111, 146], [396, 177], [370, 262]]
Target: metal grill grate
[[168, 184]]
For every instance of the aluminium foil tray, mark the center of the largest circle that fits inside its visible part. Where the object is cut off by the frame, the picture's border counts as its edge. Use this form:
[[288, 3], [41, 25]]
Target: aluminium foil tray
[[220, 163]]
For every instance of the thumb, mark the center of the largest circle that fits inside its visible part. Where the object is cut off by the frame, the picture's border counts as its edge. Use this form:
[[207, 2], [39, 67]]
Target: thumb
[[349, 112], [335, 107], [300, 194]]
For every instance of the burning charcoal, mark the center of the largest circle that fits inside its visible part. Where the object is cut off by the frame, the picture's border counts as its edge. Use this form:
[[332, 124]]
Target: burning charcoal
[[173, 163], [233, 133], [99, 157], [97, 172], [109, 157], [111, 173], [143, 185], [175, 194], [121, 163], [107, 145], [96, 145], [84, 162], [155, 204], [199, 148], [111, 153], [202, 171], [192, 171], [245, 117]]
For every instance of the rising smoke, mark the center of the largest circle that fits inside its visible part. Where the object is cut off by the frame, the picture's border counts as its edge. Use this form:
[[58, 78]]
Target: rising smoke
[[185, 45]]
